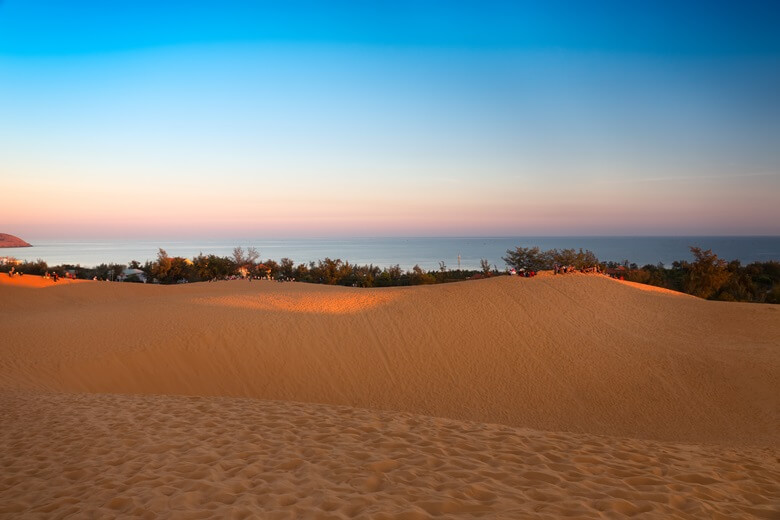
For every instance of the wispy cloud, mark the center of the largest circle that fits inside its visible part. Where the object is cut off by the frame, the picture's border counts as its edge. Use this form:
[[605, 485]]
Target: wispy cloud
[[687, 178]]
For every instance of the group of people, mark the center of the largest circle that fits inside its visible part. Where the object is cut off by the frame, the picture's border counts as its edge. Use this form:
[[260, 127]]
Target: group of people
[[557, 269], [564, 269], [233, 277], [53, 276], [523, 273]]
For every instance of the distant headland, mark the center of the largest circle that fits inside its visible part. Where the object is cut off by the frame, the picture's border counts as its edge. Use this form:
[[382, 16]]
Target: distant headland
[[7, 240]]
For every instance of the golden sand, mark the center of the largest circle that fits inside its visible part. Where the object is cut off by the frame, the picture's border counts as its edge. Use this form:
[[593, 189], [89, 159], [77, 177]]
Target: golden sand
[[544, 397]]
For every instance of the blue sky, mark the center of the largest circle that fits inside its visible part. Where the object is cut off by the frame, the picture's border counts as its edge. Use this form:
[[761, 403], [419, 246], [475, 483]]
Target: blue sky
[[670, 28], [376, 119]]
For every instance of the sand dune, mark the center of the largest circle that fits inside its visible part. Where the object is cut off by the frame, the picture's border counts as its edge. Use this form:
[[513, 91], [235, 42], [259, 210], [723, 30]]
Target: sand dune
[[576, 353], [569, 395]]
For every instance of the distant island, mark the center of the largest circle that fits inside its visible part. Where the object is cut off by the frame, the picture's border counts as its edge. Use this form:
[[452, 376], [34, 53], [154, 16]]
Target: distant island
[[7, 240]]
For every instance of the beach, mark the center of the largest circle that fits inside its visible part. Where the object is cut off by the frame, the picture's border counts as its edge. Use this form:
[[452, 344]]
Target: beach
[[573, 395]]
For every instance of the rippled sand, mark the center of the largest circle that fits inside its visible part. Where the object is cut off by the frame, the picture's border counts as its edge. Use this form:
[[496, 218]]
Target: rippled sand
[[564, 396], [116, 455]]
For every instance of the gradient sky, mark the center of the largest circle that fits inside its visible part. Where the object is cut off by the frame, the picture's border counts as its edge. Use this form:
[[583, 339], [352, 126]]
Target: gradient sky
[[148, 118]]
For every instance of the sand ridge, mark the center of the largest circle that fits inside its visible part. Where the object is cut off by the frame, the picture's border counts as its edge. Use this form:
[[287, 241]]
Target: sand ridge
[[35, 282], [578, 353]]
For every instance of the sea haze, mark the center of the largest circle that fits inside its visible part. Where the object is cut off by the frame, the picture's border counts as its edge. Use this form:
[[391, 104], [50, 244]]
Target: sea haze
[[407, 252]]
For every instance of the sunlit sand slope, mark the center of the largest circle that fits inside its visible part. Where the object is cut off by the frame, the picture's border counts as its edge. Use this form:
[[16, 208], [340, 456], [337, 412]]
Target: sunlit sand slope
[[576, 353], [112, 456]]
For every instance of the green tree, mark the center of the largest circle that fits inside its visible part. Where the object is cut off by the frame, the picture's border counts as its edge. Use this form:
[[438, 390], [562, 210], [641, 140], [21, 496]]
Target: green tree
[[38, 267], [168, 269], [238, 256], [245, 261], [531, 258], [420, 277], [270, 265], [485, 265], [212, 266], [162, 266], [287, 267], [706, 274]]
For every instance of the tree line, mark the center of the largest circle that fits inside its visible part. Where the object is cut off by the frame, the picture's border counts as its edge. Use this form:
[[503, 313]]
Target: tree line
[[707, 276], [329, 271], [166, 269], [536, 259], [713, 278]]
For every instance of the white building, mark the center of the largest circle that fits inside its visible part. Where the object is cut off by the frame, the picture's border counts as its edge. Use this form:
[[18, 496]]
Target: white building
[[9, 260]]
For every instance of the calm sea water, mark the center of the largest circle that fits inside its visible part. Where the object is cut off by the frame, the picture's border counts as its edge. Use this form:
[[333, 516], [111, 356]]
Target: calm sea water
[[426, 252]]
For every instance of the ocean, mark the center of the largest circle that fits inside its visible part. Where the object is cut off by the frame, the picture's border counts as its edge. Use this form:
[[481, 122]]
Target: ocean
[[407, 252]]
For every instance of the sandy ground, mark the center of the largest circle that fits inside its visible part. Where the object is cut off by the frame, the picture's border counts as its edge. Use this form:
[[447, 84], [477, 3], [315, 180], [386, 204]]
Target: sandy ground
[[573, 395]]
